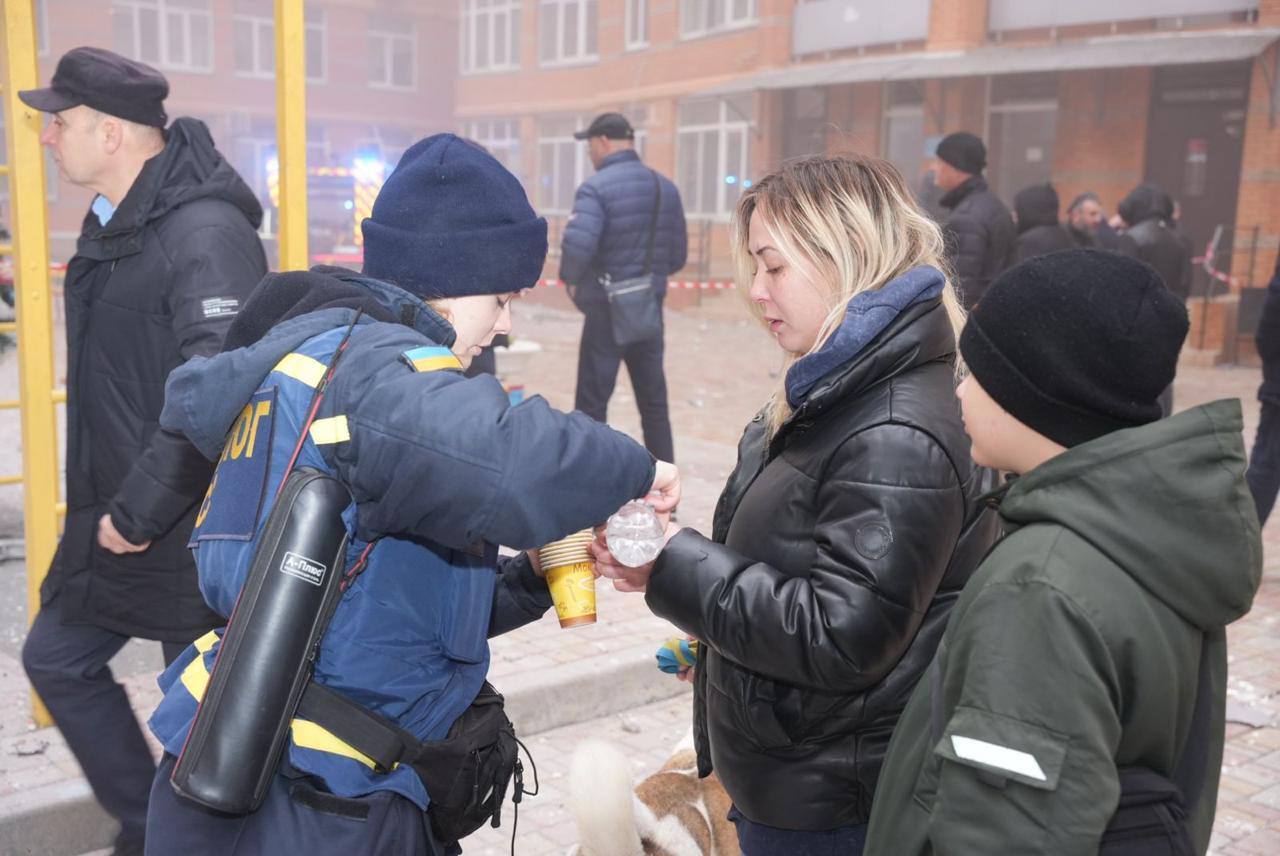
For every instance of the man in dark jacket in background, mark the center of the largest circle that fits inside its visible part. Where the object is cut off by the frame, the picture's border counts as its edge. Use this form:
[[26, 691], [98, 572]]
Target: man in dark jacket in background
[[1087, 223], [608, 236], [1039, 231], [980, 232], [1264, 462], [1147, 212], [166, 254]]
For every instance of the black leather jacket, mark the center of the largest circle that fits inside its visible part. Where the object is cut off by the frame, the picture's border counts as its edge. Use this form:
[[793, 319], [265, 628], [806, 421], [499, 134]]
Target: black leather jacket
[[839, 548]]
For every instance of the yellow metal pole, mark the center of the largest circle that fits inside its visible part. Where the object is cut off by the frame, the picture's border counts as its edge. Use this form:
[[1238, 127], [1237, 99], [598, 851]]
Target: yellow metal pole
[[291, 132], [34, 311]]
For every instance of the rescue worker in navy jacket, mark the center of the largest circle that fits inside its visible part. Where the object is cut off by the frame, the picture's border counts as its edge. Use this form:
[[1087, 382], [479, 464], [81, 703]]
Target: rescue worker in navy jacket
[[442, 469]]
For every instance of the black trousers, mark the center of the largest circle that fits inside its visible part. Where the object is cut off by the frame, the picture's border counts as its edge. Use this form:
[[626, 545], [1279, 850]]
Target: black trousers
[[67, 665], [1263, 474], [598, 360], [297, 817]]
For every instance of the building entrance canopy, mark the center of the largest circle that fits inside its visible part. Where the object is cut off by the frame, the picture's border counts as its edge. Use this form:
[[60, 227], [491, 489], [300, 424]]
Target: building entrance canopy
[[1156, 49]]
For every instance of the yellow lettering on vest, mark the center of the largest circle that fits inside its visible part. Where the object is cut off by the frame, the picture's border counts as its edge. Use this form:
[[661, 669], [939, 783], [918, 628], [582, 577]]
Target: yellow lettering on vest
[[259, 411], [240, 433]]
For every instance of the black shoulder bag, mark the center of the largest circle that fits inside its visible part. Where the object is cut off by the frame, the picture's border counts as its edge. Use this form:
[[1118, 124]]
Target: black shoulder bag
[[635, 312]]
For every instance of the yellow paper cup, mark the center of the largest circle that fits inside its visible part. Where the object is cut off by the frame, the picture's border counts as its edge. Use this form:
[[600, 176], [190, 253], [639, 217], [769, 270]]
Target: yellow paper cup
[[571, 578], [573, 590]]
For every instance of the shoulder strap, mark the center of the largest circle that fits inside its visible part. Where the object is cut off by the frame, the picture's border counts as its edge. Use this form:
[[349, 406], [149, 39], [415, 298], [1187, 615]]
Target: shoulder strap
[[316, 398], [1193, 763], [653, 222]]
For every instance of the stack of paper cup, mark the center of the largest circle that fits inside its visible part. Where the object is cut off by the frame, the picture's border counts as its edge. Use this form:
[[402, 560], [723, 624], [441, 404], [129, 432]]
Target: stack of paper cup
[[568, 566]]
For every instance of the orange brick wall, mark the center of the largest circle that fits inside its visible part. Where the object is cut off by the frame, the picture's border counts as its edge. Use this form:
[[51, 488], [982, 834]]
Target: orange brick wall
[[1102, 133], [344, 102], [1259, 202], [670, 67], [957, 24]]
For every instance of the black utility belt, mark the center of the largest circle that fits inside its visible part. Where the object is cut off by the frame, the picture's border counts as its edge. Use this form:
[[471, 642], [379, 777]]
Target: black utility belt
[[466, 774]]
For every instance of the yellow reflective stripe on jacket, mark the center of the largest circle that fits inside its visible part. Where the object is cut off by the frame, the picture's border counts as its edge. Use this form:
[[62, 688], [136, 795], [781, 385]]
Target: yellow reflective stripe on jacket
[[301, 367], [195, 677], [308, 735], [331, 430]]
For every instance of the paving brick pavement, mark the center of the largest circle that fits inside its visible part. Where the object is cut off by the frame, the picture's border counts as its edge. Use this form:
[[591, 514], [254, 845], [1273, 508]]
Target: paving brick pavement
[[720, 368]]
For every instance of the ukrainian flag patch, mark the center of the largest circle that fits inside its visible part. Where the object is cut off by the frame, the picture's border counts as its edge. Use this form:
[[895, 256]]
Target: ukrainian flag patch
[[431, 359]]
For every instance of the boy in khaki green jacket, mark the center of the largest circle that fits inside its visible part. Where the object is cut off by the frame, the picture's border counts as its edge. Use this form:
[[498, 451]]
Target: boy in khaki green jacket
[[1131, 542]]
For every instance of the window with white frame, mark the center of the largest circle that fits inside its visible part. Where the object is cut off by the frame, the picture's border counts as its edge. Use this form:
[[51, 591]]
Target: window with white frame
[[637, 26], [700, 17], [176, 35], [563, 163], [713, 138], [568, 31], [255, 40], [638, 116], [501, 137], [393, 52], [1021, 131], [490, 35], [42, 27]]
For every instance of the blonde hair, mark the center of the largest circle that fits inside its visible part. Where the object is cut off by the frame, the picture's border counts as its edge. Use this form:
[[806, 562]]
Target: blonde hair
[[853, 222]]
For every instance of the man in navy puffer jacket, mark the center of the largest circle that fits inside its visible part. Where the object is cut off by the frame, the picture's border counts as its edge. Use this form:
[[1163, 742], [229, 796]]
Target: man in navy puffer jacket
[[608, 235]]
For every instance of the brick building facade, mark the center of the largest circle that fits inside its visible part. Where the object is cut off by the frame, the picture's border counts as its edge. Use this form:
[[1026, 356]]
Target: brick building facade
[[1092, 95], [381, 76]]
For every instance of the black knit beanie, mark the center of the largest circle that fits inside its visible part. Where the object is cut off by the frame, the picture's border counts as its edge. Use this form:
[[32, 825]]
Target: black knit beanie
[[451, 221], [964, 151], [1076, 344]]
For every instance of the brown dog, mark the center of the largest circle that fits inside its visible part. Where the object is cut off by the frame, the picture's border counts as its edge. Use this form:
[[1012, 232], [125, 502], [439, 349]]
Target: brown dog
[[670, 813]]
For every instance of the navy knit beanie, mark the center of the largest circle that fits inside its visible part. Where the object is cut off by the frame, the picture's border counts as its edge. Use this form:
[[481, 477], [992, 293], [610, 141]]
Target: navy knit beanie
[[451, 221], [1076, 344]]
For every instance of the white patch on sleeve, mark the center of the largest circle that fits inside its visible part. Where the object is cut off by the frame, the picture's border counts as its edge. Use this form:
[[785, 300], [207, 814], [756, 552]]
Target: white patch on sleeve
[[219, 307], [998, 757]]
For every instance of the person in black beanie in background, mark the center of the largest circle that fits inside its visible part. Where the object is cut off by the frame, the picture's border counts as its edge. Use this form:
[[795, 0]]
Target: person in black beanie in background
[[1092, 638], [1039, 231], [980, 233]]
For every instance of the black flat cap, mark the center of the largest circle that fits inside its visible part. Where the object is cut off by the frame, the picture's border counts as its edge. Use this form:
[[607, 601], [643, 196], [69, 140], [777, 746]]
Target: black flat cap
[[107, 82], [612, 125]]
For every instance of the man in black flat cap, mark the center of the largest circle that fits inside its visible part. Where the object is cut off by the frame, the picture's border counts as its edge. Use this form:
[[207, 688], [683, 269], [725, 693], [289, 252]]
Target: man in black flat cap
[[981, 237], [627, 223], [166, 254]]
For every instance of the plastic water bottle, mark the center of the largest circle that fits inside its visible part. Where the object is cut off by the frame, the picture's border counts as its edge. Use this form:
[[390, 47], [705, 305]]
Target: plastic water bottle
[[634, 534]]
